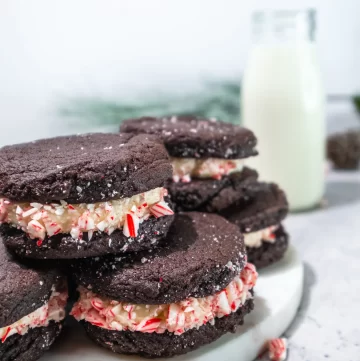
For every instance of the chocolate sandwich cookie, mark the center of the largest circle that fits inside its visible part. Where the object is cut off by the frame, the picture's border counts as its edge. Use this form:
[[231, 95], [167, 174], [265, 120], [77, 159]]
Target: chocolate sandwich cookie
[[32, 307], [195, 137], [84, 195], [212, 195], [183, 295], [259, 219], [207, 158]]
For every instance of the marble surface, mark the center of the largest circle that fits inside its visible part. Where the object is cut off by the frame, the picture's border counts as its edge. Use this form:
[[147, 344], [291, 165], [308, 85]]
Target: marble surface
[[328, 239]]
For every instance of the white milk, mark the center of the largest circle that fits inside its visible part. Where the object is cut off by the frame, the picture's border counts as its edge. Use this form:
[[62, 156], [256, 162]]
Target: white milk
[[283, 103]]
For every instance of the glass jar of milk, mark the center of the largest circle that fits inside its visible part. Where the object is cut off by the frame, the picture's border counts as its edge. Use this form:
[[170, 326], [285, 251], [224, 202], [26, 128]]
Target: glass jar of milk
[[283, 103]]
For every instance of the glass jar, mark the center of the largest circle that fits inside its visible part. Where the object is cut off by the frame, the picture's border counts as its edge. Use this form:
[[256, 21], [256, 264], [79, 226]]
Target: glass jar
[[282, 101]]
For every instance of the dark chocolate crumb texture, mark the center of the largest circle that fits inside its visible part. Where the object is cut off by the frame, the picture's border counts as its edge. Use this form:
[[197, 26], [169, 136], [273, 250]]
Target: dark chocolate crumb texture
[[85, 168], [32, 307], [197, 278], [61, 192]]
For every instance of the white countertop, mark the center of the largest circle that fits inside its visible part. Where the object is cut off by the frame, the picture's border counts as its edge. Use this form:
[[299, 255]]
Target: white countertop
[[327, 326]]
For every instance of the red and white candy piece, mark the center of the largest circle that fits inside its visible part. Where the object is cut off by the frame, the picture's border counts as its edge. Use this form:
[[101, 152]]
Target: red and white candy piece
[[116, 326], [223, 305], [278, 349], [176, 178], [186, 178], [5, 334], [97, 303], [19, 210], [3, 209], [148, 325], [29, 212], [130, 310], [36, 230], [131, 226], [52, 228], [76, 233], [161, 209], [173, 317], [249, 275], [85, 222]]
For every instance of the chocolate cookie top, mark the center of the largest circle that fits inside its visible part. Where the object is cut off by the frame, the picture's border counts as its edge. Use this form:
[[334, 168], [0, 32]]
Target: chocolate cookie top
[[268, 206], [85, 168], [193, 137], [201, 255], [22, 290]]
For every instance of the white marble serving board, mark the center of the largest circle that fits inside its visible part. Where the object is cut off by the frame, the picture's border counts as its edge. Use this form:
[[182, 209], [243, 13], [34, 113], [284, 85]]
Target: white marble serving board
[[278, 295]]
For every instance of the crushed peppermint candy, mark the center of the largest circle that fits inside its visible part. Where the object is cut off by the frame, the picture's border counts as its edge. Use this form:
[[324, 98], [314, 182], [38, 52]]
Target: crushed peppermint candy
[[41, 220], [256, 239], [161, 209], [278, 349], [131, 225], [186, 168], [175, 317], [53, 310]]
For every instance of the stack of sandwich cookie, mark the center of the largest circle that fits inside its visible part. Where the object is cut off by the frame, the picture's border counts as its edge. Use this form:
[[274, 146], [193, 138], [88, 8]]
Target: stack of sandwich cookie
[[209, 175], [207, 158], [170, 301], [32, 305], [85, 195], [259, 219]]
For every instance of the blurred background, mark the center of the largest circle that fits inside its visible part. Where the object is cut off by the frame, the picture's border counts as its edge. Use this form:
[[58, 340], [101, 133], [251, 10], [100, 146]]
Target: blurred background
[[77, 66]]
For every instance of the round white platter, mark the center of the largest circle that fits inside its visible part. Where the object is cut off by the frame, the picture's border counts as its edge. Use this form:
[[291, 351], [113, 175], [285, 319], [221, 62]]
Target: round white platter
[[277, 297]]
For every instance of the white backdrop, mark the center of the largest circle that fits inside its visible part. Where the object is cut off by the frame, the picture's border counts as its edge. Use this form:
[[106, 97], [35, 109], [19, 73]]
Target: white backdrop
[[110, 48]]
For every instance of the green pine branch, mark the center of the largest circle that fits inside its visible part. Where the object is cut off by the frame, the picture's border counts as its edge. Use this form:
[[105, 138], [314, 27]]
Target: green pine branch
[[219, 99]]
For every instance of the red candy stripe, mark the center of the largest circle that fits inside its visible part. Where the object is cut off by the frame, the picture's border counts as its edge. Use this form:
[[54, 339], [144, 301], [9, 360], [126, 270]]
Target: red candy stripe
[[3, 339], [131, 225], [161, 209], [149, 325]]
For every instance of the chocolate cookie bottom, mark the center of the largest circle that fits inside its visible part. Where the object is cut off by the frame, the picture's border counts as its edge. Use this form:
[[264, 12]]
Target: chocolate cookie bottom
[[153, 345], [30, 346], [269, 253], [63, 246]]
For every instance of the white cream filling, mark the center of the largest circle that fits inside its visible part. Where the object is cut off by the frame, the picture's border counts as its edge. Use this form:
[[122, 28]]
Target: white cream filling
[[186, 168], [256, 239]]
